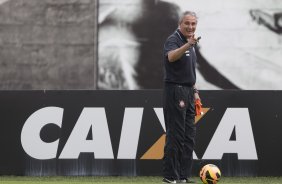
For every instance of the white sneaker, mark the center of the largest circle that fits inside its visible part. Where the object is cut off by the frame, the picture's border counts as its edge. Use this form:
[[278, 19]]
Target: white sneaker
[[165, 180], [182, 181]]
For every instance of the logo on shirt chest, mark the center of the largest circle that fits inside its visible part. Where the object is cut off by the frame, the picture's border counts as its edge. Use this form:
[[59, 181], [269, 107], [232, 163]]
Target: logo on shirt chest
[[187, 53], [181, 104]]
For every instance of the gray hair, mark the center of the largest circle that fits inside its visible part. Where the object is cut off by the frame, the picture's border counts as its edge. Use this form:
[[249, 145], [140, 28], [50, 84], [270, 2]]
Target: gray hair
[[187, 13]]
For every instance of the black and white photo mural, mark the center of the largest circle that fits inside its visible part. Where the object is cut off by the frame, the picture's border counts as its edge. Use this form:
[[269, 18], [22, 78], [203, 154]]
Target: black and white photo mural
[[241, 45]]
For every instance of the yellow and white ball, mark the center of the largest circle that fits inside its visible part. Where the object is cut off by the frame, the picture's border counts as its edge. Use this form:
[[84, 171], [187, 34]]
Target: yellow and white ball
[[210, 174]]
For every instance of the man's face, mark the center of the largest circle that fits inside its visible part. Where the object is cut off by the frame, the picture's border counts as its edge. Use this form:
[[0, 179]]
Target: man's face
[[188, 26]]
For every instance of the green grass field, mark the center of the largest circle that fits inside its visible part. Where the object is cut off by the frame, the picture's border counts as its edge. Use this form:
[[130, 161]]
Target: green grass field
[[122, 180]]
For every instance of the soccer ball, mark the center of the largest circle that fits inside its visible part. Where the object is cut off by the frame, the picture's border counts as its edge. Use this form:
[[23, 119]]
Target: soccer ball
[[210, 174]]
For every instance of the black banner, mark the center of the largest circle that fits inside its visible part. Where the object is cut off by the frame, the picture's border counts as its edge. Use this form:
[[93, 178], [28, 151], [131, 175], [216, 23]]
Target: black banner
[[122, 132]]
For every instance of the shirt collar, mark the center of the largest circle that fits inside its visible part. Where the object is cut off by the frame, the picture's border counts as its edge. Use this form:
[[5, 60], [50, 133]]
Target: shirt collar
[[181, 36]]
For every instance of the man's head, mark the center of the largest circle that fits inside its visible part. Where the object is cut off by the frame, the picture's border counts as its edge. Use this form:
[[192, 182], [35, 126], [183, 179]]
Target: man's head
[[188, 23]]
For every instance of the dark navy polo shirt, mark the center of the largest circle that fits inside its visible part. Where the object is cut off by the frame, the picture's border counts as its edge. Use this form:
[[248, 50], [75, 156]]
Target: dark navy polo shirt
[[183, 70]]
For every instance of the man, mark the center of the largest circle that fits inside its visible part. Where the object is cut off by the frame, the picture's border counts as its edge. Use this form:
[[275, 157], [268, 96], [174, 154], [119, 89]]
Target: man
[[179, 95]]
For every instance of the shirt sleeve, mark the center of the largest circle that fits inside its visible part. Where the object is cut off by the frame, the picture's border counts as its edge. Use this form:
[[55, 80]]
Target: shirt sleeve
[[170, 44]]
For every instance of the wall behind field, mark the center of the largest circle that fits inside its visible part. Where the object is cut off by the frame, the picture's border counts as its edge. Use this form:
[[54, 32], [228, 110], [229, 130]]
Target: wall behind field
[[47, 44], [117, 44]]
